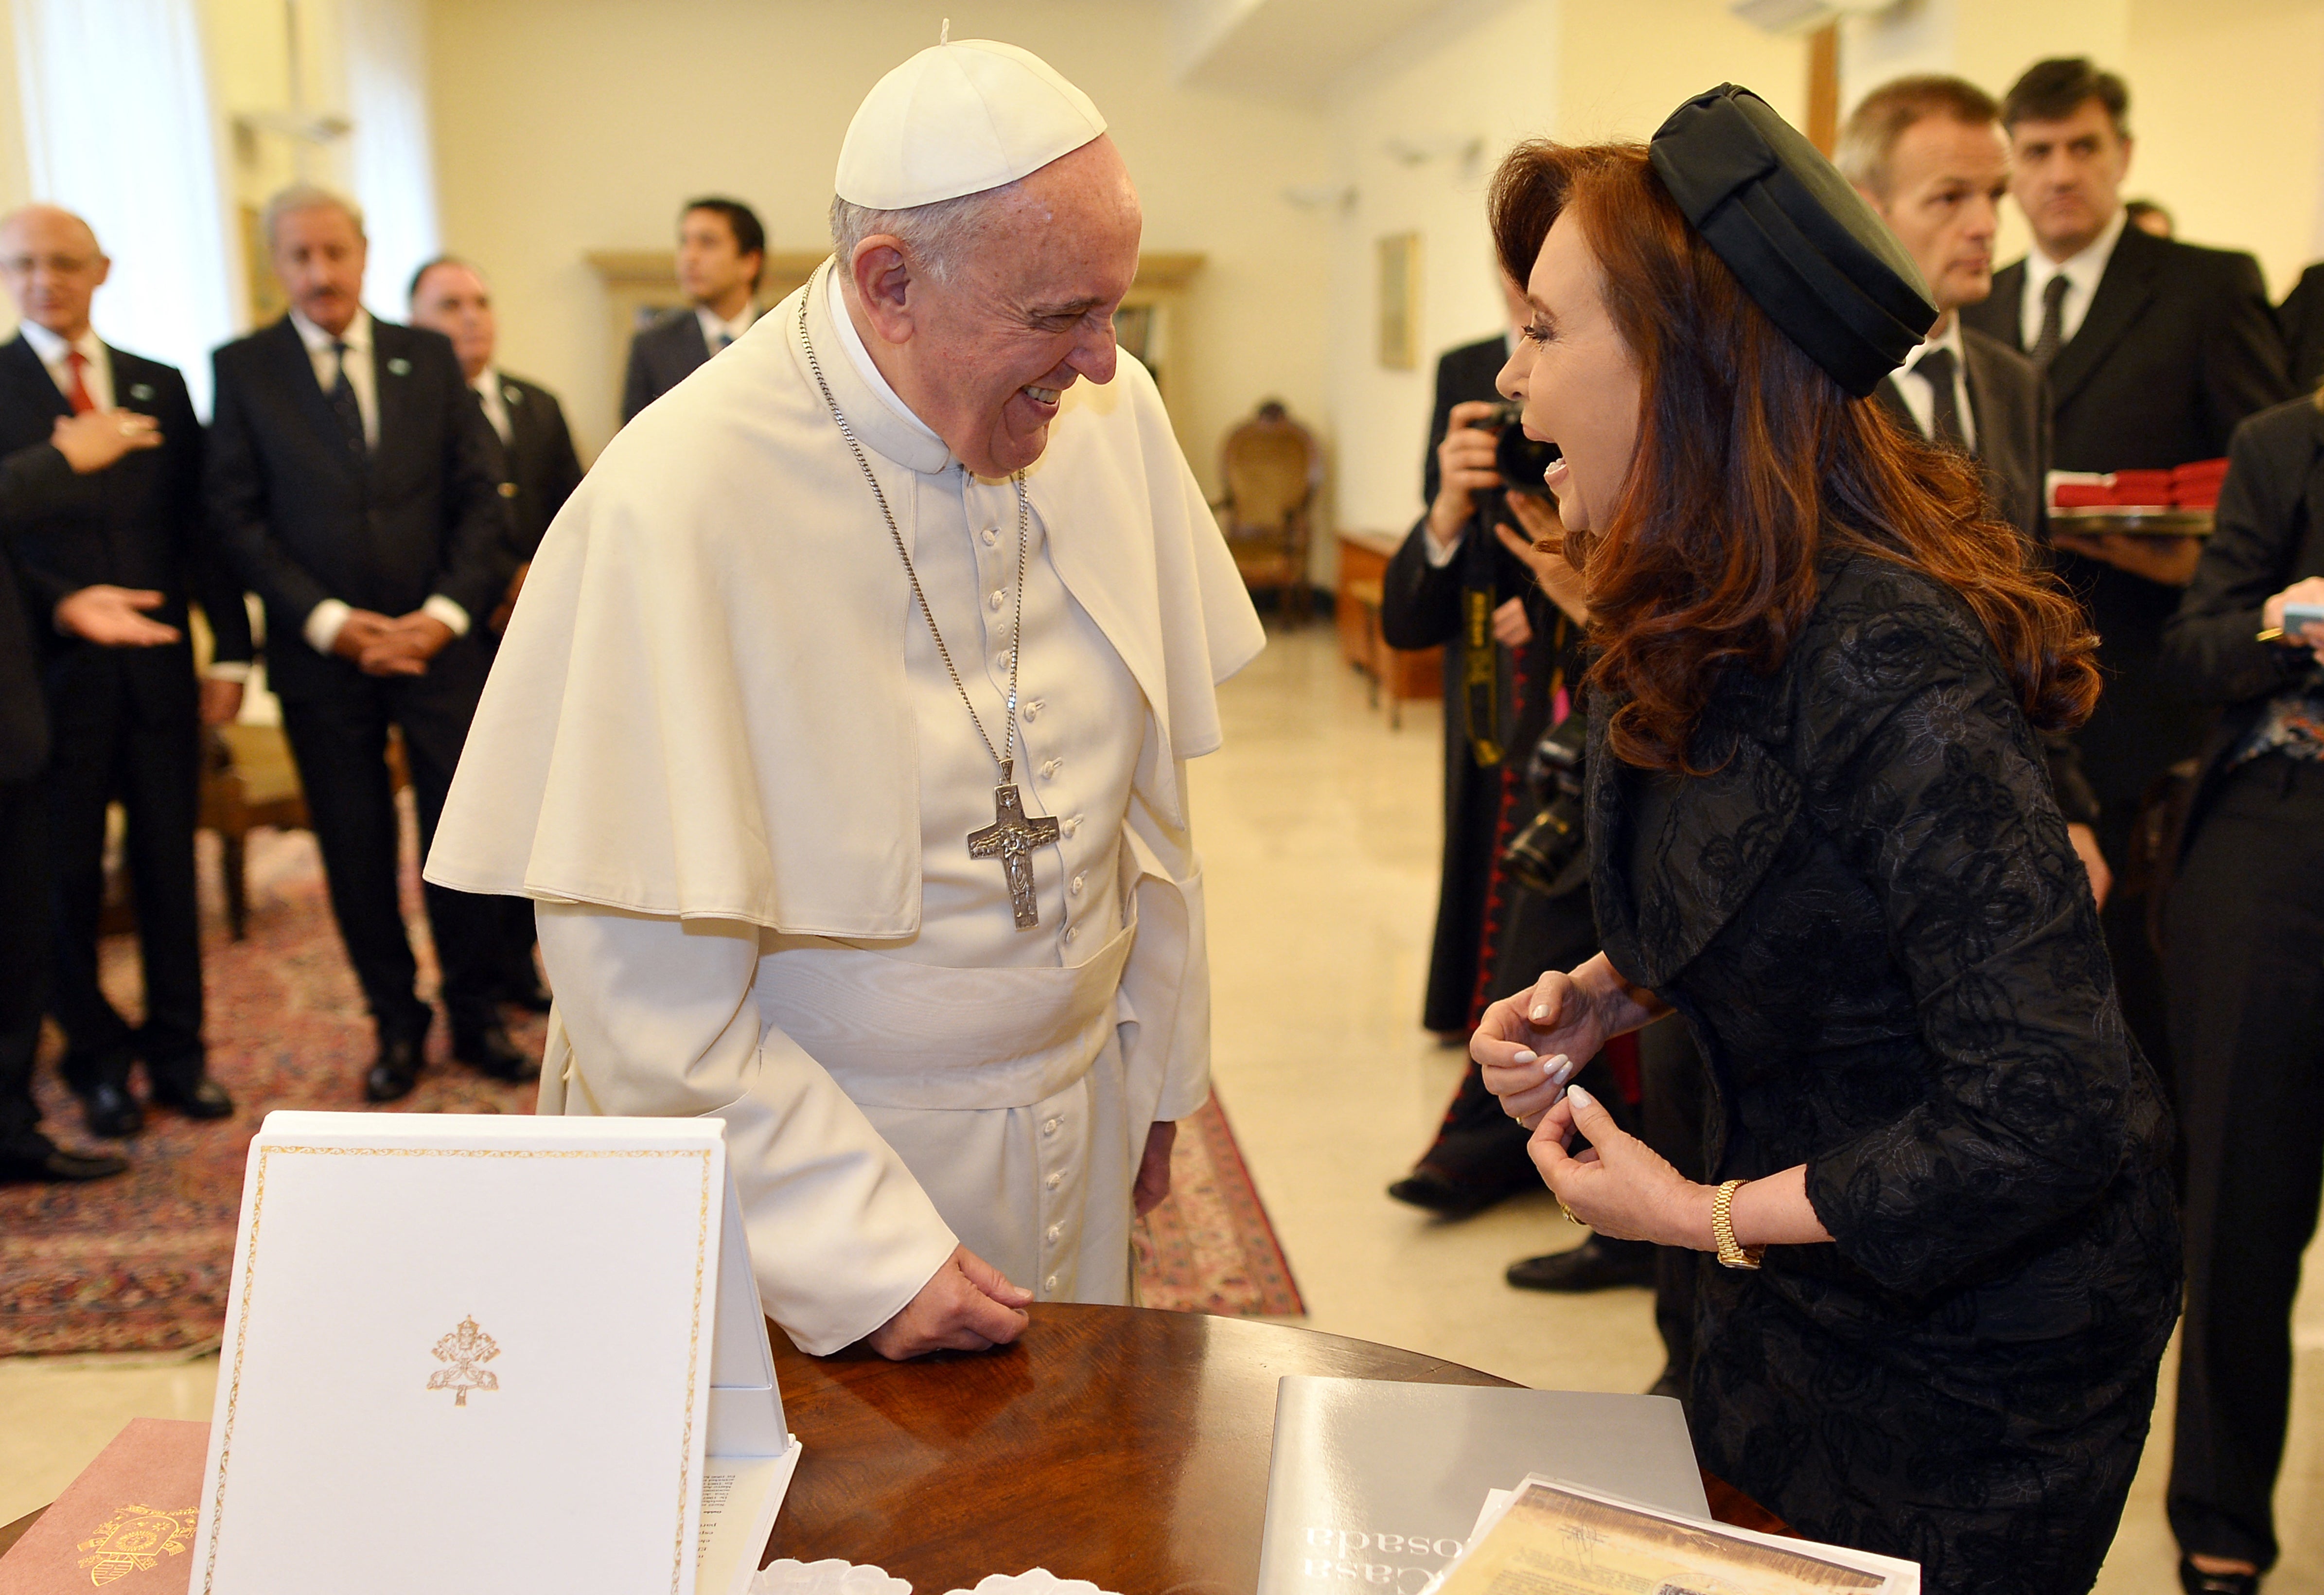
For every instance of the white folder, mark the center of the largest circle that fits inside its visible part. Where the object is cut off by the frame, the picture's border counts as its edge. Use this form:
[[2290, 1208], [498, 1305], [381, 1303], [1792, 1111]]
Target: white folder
[[472, 1353]]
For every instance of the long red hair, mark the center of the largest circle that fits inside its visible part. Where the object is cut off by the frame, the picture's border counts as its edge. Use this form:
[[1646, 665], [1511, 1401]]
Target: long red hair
[[1751, 460]]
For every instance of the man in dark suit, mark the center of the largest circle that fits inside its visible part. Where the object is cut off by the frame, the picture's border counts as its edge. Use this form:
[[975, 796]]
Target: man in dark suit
[[123, 721], [2154, 351], [721, 252], [37, 480], [1926, 152], [540, 471], [353, 483], [2301, 316]]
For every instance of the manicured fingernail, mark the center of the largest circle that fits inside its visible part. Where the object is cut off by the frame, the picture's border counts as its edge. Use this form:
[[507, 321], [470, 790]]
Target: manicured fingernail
[[1525, 1056], [1582, 1096], [1540, 1011], [1559, 1067]]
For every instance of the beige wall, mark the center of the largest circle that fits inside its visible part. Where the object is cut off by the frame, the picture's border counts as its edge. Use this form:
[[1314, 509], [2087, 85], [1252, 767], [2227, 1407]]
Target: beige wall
[[567, 126], [1572, 70]]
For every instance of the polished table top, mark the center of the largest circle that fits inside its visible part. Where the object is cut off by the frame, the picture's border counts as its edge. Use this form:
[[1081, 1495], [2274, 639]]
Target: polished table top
[[1122, 1446]]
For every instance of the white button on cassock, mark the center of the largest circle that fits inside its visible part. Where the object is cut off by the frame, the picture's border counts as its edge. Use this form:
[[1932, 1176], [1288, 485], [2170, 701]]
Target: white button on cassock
[[1033, 707], [1053, 1282], [995, 600], [1050, 768], [1055, 1230], [991, 536], [1050, 1128], [1077, 887], [1054, 1181]]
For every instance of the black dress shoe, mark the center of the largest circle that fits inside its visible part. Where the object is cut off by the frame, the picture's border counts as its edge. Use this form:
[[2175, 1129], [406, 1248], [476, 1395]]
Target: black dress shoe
[[2196, 1581], [528, 994], [1597, 1264], [1433, 1190], [45, 1162], [111, 1111], [487, 1049], [205, 1099], [395, 1071]]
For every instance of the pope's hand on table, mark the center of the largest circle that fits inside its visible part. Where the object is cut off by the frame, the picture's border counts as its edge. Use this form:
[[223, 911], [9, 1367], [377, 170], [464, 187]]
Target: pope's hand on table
[[1153, 1186], [1617, 1184], [2308, 591], [966, 1306]]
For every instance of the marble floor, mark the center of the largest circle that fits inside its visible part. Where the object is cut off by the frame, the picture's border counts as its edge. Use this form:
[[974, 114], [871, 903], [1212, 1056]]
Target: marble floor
[[1319, 829]]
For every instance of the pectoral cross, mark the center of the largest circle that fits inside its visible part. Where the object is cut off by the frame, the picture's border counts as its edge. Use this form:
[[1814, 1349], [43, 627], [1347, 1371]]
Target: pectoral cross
[[1011, 838]]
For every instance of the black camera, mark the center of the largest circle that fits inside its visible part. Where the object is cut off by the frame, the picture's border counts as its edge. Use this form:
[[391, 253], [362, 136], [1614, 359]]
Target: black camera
[[1547, 855], [1518, 458]]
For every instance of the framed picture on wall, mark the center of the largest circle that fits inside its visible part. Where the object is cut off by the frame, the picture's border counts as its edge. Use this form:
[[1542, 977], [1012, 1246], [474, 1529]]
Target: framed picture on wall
[[1399, 302]]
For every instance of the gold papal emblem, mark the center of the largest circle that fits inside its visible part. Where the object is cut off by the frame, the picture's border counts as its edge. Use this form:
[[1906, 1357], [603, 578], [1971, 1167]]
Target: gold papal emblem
[[465, 1348], [134, 1538]]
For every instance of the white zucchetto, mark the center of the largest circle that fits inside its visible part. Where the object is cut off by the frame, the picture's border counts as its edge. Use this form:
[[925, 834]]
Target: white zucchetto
[[960, 118]]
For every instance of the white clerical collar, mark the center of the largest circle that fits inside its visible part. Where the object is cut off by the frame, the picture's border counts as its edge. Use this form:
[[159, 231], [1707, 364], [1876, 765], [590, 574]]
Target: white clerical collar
[[52, 349], [860, 358], [2083, 269], [357, 337]]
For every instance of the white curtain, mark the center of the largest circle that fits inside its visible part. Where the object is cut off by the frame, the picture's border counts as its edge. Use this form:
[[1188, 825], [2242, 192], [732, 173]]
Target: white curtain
[[117, 127], [390, 166]]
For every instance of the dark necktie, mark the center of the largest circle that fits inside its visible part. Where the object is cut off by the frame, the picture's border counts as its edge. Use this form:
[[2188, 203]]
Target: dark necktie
[[2053, 322], [343, 404], [1944, 414]]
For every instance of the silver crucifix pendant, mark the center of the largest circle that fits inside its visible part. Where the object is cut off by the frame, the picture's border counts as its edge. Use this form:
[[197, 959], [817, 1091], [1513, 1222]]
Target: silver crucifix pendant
[[1011, 838]]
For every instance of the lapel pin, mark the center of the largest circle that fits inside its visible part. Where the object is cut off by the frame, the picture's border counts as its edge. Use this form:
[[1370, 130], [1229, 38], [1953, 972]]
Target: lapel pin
[[141, 392], [512, 395], [399, 366]]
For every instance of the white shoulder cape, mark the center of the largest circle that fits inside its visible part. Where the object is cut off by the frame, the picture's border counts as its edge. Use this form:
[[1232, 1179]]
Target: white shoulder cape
[[699, 709]]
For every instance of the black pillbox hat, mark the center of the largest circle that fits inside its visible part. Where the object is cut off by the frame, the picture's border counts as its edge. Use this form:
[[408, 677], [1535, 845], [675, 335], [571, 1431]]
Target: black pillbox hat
[[1803, 244]]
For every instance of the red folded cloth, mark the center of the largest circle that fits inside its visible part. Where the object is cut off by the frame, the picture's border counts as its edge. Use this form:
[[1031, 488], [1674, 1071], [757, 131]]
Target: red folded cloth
[[2199, 471], [2083, 495]]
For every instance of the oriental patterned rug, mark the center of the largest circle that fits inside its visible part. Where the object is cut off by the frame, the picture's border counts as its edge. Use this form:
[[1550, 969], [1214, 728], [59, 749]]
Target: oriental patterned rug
[[139, 1263]]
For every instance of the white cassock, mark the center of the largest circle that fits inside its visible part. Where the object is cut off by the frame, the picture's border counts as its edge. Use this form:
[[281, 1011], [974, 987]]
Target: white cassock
[[719, 748]]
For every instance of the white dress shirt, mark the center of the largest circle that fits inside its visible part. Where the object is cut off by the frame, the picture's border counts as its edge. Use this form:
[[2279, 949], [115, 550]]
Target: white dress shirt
[[2081, 273], [713, 328], [488, 388], [55, 354], [1919, 394], [321, 627]]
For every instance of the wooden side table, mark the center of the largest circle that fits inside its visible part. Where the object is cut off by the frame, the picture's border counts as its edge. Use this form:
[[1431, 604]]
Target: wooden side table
[[1402, 675]]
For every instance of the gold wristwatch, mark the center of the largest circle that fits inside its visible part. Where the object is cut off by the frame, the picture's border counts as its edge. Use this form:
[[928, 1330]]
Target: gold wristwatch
[[1722, 1231]]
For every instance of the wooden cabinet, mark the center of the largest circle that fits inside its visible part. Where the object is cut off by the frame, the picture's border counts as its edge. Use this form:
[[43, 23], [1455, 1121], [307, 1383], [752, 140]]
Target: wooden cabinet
[[1401, 674]]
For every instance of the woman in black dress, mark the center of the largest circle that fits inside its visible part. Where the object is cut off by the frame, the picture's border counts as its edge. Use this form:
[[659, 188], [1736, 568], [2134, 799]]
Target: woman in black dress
[[1821, 831]]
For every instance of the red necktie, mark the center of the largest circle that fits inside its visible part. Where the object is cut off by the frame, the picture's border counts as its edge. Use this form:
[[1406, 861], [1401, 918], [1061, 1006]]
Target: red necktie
[[76, 363]]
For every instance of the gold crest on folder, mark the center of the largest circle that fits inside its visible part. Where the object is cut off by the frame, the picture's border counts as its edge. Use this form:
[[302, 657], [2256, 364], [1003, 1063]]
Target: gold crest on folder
[[464, 1348], [134, 1538]]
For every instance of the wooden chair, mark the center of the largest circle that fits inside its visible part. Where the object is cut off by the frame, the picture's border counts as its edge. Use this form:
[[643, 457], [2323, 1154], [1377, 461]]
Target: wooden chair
[[248, 780], [1272, 465]]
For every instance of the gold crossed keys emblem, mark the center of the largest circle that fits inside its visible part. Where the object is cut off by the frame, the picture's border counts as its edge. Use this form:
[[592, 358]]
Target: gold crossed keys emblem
[[134, 1539], [1011, 838], [464, 1349]]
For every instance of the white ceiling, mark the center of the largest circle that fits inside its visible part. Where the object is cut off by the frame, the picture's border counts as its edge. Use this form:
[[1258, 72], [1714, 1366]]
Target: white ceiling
[[1288, 50]]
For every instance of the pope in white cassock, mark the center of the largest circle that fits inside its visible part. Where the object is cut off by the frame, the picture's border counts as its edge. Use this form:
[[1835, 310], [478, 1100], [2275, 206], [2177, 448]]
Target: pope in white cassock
[[841, 737]]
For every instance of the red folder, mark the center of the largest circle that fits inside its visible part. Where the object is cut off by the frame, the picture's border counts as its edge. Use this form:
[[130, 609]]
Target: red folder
[[126, 1525]]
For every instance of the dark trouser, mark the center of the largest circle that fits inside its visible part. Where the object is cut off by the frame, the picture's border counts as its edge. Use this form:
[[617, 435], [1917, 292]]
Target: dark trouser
[[2246, 938], [1670, 1109], [339, 741], [23, 957], [110, 744], [519, 931], [2139, 979]]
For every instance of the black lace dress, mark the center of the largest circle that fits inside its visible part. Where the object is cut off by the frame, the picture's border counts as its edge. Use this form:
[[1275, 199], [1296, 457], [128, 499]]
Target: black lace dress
[[1872, 918]]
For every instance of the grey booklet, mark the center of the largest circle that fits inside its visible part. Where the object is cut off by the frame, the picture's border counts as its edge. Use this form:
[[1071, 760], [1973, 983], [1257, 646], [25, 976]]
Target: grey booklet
[[1375, 1484]]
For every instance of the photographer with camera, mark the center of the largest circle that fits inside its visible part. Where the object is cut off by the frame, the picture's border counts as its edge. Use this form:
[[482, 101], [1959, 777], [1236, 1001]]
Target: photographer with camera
[[1514, 901]]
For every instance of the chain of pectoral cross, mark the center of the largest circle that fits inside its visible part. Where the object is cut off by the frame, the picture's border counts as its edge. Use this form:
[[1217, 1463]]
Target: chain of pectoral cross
[[1012, 835]]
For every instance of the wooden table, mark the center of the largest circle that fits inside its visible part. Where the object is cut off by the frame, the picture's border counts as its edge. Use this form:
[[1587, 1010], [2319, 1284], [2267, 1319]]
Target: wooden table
[[1119, 1444], [1402, 673]]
